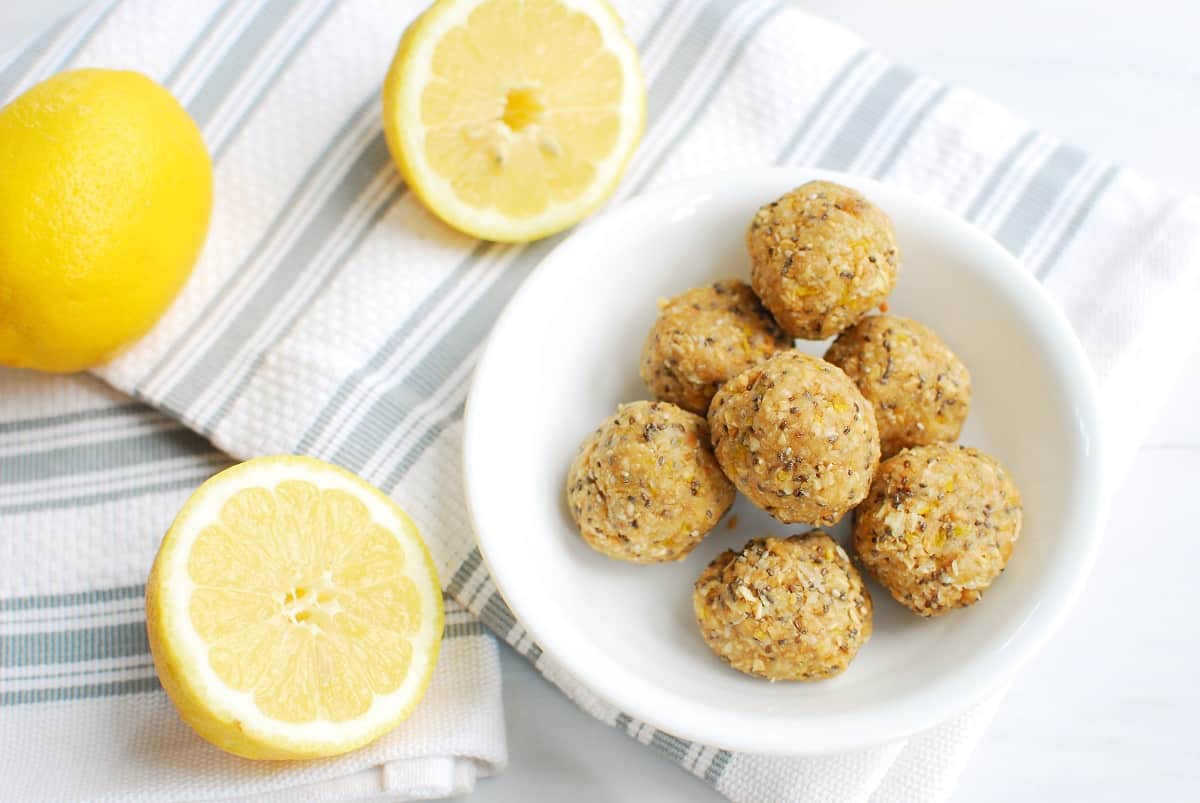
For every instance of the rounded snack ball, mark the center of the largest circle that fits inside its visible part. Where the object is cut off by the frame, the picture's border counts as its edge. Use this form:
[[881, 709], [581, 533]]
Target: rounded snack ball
[[796, 437], [920, 391], [938, 526], [821, 257], [790, 609], [645, 486], [702, 338]]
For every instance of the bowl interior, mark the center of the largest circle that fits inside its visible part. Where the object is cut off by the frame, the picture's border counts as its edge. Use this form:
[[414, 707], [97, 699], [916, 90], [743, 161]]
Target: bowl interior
[[566, 353]]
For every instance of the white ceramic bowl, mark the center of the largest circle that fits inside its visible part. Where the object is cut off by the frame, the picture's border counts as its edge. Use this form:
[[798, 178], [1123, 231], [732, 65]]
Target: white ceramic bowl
[[565, 353]]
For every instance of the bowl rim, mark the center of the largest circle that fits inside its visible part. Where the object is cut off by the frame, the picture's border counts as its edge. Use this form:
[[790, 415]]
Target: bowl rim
[[910, 713]]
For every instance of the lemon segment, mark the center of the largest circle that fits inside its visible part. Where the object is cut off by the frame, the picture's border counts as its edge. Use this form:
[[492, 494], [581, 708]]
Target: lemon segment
[[514, 119], [293, 610]]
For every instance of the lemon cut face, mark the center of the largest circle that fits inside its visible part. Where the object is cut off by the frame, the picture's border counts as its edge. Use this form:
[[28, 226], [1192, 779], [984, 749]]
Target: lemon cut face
[[293, 610], [513, 119]]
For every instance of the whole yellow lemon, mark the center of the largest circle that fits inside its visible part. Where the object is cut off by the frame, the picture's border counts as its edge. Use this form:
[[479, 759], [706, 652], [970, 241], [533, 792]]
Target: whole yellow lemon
[[105, 197]]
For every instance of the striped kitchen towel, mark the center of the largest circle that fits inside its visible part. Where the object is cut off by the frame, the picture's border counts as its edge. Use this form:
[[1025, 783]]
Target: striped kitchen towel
[[332, 315], [89, 481]]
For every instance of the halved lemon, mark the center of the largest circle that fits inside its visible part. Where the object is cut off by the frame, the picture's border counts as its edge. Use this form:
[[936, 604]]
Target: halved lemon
[[514, 119], [293, 610]]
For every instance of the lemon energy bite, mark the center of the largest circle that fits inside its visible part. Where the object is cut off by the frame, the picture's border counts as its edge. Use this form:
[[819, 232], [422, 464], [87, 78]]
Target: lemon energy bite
[[784, 609], [920, 390], [796, 437], [938, 526], [702, 338], [645, 486], [821, 257]]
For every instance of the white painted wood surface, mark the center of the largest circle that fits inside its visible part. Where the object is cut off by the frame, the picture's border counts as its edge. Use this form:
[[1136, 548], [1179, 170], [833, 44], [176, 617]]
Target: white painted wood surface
[[1107, 711]]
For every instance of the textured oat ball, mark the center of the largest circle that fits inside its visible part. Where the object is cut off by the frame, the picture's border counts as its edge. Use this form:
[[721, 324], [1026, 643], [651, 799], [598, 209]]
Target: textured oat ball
[[920, 391], [796, 437], [645, 486], [938, 526], [791, 609], [821, 257], [702, 338]]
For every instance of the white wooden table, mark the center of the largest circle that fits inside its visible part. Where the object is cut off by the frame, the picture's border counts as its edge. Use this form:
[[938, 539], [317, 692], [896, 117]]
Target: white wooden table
[[1107, 711]]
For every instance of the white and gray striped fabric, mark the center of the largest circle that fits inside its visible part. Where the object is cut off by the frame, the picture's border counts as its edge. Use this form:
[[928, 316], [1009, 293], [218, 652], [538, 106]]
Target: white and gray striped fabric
[[332, 315]]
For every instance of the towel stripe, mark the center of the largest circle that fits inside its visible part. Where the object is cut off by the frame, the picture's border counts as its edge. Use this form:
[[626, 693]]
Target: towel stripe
[[451, 352], [74, 36], [232, 69], [207, 48], [102, 13], [43, 601], [83, 431], [1053, 256], [864, 121], [103, 456], [656, 28], [818, 127], [105, 486], [228, 124], [821, 104], [909, 131], [68, 646], [1002, 168], [753, 26], [199, 44], [207, 57], [120, 412], [1038, 197], [24, 622], [994, 211], [12, 78], [84, 692], [717, 768], [39, 677]]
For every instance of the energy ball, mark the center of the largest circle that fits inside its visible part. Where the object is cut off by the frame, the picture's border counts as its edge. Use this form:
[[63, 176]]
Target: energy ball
[[821, 257], [702, 338], [796, 437], [920, 391], [938, 526], [645, 486], [790, 609]]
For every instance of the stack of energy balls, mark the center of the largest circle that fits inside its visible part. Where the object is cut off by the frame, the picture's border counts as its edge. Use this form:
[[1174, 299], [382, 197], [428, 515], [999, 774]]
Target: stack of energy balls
[[801, 437]]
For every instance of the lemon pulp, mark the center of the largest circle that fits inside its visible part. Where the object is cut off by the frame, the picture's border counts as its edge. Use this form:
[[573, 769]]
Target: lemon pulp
[[514, 118], [293, 610]]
